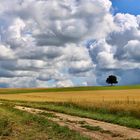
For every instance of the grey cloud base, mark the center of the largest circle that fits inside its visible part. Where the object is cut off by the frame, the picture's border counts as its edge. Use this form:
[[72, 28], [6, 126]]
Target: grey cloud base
[[47, 43]]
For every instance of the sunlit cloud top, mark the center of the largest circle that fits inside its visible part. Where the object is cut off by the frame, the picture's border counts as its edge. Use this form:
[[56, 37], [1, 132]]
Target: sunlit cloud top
[[51, 43]]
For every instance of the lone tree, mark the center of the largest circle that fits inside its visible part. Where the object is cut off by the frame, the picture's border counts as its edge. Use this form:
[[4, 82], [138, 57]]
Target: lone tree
[[112, 79]]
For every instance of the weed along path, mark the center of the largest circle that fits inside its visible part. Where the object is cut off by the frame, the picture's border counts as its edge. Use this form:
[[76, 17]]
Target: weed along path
[[96, 130]]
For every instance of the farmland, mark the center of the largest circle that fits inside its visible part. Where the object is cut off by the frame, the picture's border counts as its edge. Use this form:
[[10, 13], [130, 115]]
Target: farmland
[[79, 94], [116, 105]]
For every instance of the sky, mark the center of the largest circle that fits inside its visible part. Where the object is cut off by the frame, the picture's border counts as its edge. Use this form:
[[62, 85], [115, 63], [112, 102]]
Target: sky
[[51, 43], [127, 6]]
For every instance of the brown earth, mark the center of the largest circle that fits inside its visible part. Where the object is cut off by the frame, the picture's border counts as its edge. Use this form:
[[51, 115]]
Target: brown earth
[[106, 131]]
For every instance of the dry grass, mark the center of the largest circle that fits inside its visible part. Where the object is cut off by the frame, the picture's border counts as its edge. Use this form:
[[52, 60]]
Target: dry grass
[[112, 100], [78, 96]]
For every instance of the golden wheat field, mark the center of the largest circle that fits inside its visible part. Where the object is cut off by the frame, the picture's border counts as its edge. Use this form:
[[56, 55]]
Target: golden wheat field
[[127, 100], [77, 96]]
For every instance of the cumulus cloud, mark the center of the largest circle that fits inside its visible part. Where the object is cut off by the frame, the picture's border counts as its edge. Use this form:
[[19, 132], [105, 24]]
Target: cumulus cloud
[[6, 52], [66, 43], [132, 50], [122, 54], [64, 83]]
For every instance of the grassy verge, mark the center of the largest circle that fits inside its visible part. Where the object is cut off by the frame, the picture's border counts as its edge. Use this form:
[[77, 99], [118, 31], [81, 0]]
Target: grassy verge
[[15, 124], [33, 90], [5, 126], [121, 118]]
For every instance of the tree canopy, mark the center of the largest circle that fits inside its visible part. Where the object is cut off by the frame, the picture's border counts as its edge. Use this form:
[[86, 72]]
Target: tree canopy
[[112, 79]]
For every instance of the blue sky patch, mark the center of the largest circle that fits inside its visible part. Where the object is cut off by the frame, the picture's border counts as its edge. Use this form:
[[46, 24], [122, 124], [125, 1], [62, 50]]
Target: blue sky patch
[[126, 6]]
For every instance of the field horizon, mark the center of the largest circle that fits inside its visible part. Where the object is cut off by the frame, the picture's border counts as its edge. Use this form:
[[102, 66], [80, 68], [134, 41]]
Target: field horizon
[[63, 89], [109, 104]]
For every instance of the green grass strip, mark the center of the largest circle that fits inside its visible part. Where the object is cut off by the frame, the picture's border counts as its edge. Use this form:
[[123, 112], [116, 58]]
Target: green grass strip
[[37, 124], [33, 90]]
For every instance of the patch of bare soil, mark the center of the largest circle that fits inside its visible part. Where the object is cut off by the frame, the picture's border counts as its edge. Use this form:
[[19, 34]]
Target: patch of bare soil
[[94, 129]]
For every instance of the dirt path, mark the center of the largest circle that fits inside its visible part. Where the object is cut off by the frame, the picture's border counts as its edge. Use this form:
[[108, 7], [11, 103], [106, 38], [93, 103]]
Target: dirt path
[[97, 130]]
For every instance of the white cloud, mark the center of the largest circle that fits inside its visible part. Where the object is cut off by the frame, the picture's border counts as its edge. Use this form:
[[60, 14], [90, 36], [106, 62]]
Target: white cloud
[[6, 52], [132, 50], [106, 61], [43, 42], [64, 83]]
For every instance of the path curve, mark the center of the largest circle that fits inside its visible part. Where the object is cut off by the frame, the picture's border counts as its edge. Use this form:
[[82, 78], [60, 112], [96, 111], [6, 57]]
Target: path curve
[[107, 131]]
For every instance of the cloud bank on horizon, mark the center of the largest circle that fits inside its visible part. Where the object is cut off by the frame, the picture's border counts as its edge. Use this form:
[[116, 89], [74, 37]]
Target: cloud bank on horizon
[[45, 43]]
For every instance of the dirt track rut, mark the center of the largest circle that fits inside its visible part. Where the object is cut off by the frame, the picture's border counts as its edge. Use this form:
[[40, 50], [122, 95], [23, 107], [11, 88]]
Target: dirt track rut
[[96, 130]]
